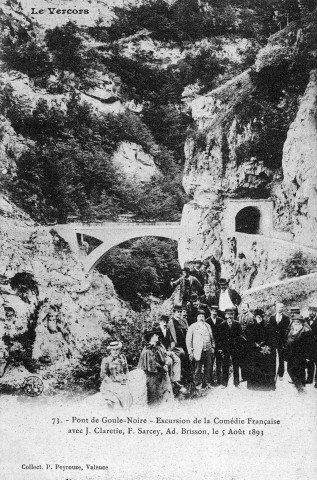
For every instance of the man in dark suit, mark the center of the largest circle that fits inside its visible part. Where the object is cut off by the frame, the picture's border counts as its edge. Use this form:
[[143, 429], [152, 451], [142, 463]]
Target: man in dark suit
[[312, 361], [193, 306], [208, 298], [214, 321], [281, 323], [229, 333], [173, 360], [245, 318], [299, 337], [197, 272], [227, 298]]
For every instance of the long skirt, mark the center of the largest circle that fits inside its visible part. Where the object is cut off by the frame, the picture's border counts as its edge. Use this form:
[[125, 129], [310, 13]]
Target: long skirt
[[116, 394], [261, 371], [159, 388]]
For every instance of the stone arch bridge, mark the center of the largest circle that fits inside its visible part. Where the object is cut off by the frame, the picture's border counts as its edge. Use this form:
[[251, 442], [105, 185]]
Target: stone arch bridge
[[112, 234]]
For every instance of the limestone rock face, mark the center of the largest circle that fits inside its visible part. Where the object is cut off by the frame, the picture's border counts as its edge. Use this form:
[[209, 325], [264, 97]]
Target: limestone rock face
[[300, 167], [50, 311], [134, 163], [225, 164]]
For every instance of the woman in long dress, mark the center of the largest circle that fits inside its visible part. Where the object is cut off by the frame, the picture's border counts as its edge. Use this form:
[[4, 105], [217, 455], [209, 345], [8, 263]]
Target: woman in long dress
[[153, 360], [261, 345], [113, 373]]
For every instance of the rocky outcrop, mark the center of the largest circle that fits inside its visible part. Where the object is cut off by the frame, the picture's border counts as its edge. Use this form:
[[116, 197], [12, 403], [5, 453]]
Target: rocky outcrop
[[299, 167], [233, 153], [134, 163], [51, 313]]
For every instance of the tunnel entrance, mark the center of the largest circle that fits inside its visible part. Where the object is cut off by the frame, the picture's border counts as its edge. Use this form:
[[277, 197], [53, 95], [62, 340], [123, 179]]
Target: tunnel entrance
[[248, 220]]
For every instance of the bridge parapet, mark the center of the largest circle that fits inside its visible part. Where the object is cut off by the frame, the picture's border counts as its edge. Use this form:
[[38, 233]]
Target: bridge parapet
[[112, 234]]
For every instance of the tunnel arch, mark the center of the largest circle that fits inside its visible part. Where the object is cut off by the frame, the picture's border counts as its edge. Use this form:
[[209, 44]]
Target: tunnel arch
[[248, 220]]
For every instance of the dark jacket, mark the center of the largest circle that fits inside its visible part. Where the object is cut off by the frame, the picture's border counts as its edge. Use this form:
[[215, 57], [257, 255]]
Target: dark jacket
[[209, 300], [229, 338], [281, 329], [215, 328], [299, 345], [177, 333], [245, 319], [199, 275], [166, 340]]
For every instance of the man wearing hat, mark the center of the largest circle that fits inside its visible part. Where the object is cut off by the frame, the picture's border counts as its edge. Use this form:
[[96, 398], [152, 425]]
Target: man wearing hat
[[281, 323], [188, 284], [227, 298], [245, 318], [208, 298], [214, 321], [177, 332], [173, 360], [312, 362], [201, 347], [193, 306], [229, 347], [298, 343], [197, 272]]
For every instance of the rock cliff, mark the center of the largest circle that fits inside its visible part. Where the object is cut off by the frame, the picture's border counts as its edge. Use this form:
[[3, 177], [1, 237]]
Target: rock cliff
[[253, 149], [50, 312]]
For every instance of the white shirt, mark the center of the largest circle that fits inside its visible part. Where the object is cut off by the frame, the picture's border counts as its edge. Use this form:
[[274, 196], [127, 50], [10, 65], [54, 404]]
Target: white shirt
[[225, 301], [278, 317]]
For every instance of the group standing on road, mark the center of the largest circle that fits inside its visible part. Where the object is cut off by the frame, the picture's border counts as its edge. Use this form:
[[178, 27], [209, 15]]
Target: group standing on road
[[212, 332]]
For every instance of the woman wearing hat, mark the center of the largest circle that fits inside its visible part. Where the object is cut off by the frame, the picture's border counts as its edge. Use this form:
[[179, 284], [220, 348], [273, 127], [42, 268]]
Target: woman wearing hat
[[261, 348], [298, 342], [153, 361], [113, 373]]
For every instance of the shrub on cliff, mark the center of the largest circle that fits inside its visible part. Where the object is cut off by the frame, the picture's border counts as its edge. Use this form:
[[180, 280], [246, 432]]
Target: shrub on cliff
[[297, 265]]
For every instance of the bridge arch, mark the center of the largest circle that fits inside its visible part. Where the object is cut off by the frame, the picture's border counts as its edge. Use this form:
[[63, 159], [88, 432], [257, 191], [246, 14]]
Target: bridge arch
[[93, 259], [112, 234]]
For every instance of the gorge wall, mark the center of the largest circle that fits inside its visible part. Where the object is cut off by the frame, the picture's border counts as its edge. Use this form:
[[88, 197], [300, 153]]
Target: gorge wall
[[50, 312], [242, 150]]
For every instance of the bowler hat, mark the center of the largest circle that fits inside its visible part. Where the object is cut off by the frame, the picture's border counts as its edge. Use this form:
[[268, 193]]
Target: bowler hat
[[259, 311], [177, 308], [201, 312], [214, 307], [223, 281], [229, 310], [295, 310]]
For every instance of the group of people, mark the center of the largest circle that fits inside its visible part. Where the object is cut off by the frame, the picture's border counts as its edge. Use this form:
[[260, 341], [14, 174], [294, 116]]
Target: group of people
[[209, 332]]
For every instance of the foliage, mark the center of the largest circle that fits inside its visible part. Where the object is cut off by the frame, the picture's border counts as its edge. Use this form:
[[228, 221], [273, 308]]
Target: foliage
[[66, 45], [191, 20], [142, 267], [16, 109], [29, 57], [69, 170], [297, 265]]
